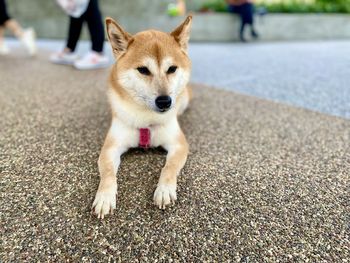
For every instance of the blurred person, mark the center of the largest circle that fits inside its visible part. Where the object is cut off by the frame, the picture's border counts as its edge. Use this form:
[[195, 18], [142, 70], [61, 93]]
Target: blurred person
[[182, 7], [245, 8], [178, 9], [81, 11], [26, 36]]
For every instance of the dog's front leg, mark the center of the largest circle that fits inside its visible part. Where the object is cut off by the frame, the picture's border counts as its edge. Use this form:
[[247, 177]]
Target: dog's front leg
[[108, 163], [176, 158]]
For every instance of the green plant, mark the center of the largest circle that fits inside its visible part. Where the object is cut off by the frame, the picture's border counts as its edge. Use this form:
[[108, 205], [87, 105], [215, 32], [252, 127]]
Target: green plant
[[288, 6], [319, 6], [215, 6], [341, 6]]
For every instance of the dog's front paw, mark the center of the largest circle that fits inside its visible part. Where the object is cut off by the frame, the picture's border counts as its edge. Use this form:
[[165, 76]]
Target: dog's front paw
[[104, 203], [164, 195]]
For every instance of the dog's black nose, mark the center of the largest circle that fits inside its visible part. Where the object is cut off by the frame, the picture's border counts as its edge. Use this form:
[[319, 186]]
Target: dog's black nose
[[163, 103]]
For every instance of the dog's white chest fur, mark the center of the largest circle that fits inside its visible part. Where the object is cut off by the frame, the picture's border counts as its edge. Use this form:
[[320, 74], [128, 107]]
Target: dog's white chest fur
[[129, 136], [126, 127]]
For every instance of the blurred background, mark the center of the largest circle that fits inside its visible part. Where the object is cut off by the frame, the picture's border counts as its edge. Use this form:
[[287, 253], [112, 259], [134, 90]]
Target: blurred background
[[301, 56], [276, 19]]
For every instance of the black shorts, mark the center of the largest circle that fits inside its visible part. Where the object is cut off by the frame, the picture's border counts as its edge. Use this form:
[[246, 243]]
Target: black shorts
[[246, 11], [3, 13]]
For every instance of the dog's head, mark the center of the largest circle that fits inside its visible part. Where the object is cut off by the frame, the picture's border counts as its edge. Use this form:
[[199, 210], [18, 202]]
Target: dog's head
[[152, 67]]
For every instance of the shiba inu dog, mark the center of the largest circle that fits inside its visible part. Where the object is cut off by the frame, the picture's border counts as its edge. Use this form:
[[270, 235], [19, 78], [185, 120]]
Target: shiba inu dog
[[147, 91]]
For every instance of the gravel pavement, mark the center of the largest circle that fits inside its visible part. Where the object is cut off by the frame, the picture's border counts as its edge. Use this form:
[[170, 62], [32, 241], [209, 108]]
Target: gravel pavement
[[264, 182]]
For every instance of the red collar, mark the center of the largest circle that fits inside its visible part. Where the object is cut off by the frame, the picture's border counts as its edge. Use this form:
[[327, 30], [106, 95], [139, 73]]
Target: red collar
[[145, 138]]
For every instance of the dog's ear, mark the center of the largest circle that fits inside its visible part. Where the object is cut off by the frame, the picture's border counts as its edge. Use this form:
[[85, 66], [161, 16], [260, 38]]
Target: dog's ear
[[182, 33], [118, 38]]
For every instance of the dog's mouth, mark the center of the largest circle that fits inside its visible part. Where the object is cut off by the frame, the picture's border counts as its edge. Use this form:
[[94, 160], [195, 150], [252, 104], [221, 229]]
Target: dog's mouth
[[162, 110]]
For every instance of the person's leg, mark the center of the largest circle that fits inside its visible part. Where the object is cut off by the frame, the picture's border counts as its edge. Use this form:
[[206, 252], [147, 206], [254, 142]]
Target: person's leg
[[240, 10], [74, 31], [15, 27], [95, 58], [67, 56], [241, 32], [248, 13], [93, 18], [237, 10], [4, 16], [27, 36], [7, 22], [253, 31], [2, 31], [4, 50]]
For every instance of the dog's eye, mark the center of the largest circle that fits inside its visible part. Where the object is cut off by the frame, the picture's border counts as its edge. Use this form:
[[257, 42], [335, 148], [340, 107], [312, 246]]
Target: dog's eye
[[144, 71], [171, 70]]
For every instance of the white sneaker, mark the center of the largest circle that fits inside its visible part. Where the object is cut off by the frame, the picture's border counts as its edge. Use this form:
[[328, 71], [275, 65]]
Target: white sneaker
[[63, 58], [4, 50], [28, 41], [92, 60]]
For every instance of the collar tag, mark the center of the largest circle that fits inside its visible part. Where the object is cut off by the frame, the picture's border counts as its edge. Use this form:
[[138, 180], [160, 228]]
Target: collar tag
[[145, 138]]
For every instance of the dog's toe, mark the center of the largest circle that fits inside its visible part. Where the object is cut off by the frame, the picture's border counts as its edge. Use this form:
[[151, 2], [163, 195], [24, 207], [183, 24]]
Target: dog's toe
[[164, 195], [104, 203]]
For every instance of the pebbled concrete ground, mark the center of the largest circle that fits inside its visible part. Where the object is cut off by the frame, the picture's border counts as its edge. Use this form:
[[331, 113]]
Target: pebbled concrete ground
[[264, 182]]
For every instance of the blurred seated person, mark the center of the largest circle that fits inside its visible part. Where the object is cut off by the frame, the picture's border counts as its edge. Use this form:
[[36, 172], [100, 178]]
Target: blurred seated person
[[245, 8], [178, 9], [182, 7]]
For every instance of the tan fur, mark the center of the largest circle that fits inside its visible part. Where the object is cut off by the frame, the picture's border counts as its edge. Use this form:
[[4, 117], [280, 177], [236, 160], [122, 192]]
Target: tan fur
[[132, 95]]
